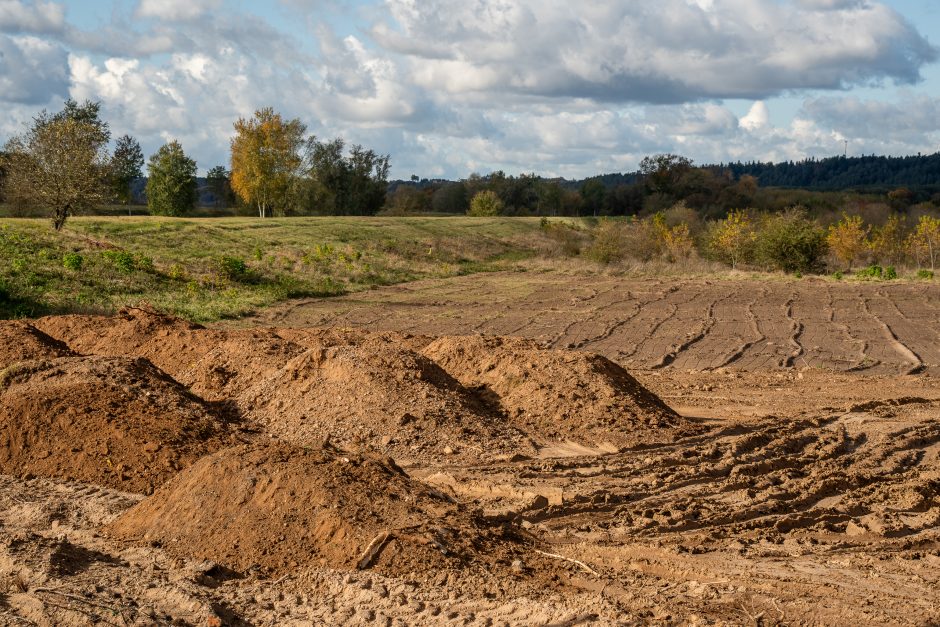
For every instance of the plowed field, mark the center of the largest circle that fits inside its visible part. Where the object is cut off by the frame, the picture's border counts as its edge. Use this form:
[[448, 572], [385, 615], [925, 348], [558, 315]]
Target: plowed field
[[608, 451]]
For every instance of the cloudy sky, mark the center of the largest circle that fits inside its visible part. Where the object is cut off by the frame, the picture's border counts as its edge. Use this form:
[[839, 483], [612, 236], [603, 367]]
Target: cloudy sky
[[450, 87]]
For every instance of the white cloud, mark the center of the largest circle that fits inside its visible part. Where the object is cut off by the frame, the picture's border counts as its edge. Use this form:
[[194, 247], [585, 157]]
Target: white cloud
[[31, 17], [176, 10], [32, 70], [667, 52], [757, 117]]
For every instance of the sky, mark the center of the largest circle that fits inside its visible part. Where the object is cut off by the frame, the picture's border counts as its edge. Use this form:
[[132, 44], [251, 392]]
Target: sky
[[454, 87]]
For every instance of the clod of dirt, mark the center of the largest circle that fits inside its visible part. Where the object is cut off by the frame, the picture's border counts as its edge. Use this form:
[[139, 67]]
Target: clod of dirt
[[379, 395], [171, 344], [556, 395], [112, 421], [21, 341], [280, 507]]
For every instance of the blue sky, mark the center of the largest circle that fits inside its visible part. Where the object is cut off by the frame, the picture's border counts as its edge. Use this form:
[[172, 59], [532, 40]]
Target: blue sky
[[450, 87]]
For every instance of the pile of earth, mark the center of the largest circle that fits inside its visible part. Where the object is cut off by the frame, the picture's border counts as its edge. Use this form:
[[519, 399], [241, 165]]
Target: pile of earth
[[171, 344], [113, 421], [381, 396], [555, 395], [280, 507], [21, 341]]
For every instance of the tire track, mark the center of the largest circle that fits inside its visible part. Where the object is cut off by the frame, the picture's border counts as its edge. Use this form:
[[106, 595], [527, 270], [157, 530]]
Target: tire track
[[796, 332], [709, 323], [917, 365], [650, 334], [755, 328]]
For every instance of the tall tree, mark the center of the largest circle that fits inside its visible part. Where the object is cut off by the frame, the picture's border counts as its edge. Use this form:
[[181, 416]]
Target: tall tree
[[353, 185], [171, 184], [126, 164], [266, 156], [61, 162]]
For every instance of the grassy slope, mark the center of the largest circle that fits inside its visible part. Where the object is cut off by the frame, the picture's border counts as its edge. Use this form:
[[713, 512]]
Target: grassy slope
[[174, 264]]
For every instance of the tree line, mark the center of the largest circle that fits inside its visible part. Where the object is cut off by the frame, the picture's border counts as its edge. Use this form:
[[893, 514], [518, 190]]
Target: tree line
[[62, 164]]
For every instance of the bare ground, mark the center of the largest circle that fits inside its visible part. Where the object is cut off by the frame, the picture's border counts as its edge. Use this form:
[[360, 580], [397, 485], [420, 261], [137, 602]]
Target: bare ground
[[769, 455]]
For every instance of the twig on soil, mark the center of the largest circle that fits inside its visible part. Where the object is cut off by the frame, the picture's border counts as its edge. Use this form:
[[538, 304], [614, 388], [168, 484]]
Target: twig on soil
[[75, 597], [372, 551], [97, 618], [569, 559]]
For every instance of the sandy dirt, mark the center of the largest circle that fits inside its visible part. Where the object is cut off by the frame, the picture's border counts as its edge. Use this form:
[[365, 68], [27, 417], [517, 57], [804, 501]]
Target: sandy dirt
[[610, 452]]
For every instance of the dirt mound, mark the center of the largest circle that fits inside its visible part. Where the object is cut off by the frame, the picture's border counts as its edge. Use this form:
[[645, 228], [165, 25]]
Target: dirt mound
[[280, 507], [21, 341], [379, 395], [171, 344], [239, 360], [555, 395], [117, 422]]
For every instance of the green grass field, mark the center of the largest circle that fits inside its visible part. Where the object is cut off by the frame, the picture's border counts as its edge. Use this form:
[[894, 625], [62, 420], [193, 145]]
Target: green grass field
[[210, 269]]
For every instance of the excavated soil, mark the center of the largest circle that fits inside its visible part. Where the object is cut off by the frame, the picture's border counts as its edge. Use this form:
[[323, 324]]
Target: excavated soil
[[21, 341], [113, 421], [559, 396], [281, 507], [771, 456]]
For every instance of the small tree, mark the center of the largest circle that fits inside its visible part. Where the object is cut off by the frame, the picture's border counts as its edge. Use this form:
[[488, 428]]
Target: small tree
[[791, 242], [924, 242], [887, 241], [126, 164], [485, 203], [848, 239], [732, 239], [678, 243], [171, 186], [60, 163]]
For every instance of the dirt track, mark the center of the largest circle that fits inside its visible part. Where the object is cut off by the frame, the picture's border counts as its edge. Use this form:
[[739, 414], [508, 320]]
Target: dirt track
[[798, 482]]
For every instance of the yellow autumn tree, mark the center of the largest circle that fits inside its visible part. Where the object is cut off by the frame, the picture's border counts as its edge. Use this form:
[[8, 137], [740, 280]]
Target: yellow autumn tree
[[887, 241], [848, 239], [266, 158], [678, 242], [732, 239], [924, 242]]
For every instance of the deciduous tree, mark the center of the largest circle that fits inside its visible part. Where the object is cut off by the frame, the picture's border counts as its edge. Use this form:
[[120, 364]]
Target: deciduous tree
[[732, 239], [924, 242], [266, 156], [848, 239], [60, 163], [171, 182], [485, 203]]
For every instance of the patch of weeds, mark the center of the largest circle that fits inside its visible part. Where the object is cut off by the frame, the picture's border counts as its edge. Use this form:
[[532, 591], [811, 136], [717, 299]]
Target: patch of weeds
[[890, 273], [837, 275], [72, 261], [925, 274], [177, 272], [258, 254]]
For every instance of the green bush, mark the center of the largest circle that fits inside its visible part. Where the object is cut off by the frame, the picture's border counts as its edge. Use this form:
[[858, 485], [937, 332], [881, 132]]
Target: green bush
[[837, 275], [231, 268], [120, 259], [891, 273], [871, 272], [72, 261], [791, 242], [925, 274]]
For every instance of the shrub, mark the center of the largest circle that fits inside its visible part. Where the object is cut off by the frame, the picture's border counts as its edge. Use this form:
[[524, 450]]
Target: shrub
[[925, 274], [72, 261], [485, 203], [177, 272], [231, 268], [848, 239], [871, 272], [891, 273], [837, 275], [120, 259], [610, 242], [791, 242], [731, 240]]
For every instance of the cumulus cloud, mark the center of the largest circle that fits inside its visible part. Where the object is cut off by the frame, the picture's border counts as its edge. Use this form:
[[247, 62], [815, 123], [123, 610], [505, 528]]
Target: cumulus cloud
[[31, 17], [32, 70], [668, 52]]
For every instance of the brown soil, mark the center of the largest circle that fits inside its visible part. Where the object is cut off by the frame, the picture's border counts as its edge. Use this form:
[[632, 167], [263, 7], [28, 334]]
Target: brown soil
[[171, 344], [21, 341], [282, 507], [113, 421], [558, 395], [380, 396]]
